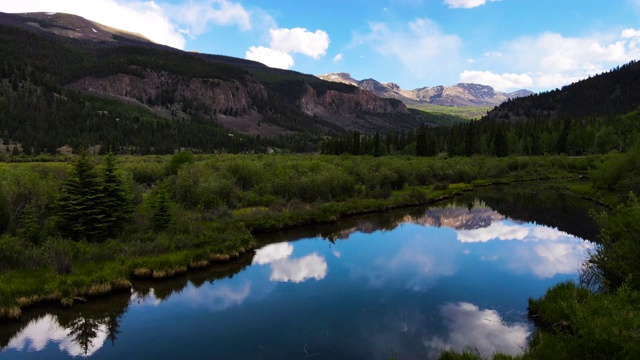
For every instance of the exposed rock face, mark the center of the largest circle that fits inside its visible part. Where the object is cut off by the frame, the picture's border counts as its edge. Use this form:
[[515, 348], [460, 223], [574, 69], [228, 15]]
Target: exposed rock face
[[166, 90], [339, 103], [457, 95]]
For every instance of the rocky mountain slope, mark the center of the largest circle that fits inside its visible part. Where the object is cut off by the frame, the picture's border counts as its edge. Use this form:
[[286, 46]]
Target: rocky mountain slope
[[462, 94]]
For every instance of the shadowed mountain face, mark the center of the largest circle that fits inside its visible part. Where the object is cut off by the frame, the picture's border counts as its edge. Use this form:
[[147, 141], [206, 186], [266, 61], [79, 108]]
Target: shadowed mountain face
[[457, 95], [61, 60]]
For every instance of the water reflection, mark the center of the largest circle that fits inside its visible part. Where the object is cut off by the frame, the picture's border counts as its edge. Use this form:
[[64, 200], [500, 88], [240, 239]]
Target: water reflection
[[285, 269], [83, 337], [390, 275], [480, 331]]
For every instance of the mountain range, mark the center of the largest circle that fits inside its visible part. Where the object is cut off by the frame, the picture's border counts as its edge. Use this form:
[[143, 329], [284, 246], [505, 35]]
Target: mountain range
[[462, 94]]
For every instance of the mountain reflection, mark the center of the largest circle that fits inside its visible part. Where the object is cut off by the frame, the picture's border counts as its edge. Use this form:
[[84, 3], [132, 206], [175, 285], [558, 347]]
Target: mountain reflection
[[481, 331], [285, 269], [83, 337]]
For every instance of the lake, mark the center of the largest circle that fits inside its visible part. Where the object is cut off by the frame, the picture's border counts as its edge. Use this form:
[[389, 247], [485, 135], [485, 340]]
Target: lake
[[407, 283]]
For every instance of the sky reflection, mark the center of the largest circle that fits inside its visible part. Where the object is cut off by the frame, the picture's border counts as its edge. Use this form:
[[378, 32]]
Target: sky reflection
[[285, 269], [481, 331], [41, 331]]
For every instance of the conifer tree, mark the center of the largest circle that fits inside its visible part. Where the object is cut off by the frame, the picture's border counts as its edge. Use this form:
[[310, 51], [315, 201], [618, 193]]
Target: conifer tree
[[161, 216], [81, 212], [116, 200]]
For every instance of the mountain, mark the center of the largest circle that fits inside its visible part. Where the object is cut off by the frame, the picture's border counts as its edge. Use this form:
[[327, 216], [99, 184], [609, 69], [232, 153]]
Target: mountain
[[610, 93], [462, 94], [65, 80]]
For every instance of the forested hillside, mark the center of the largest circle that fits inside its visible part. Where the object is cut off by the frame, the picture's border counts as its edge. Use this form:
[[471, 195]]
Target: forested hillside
[[138, 97]]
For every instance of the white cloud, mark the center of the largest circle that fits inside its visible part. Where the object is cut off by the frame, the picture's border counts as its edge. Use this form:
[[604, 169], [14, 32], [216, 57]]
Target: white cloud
[[338, 57], [552, 60], [270, 57], [300, 40], [500, 82], [286, 41], [420, 46], [481, 330], [464, 4]]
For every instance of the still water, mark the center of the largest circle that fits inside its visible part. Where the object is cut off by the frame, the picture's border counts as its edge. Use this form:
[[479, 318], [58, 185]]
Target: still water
[[407, 283]]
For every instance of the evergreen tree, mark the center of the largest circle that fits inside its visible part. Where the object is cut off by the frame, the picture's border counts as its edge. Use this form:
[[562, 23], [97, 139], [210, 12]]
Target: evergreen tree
[[81, 212], [161, 216], [116, 200]]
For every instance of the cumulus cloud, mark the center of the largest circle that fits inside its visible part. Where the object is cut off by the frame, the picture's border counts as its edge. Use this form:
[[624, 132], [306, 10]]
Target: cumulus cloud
[[481, 330], [338, 58], [300, 40], [420, 46], [270, 57], [287, 41], [552, 60]]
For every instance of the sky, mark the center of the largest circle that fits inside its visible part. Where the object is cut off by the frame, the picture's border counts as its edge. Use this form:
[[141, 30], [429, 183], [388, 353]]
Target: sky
[[509, 44]]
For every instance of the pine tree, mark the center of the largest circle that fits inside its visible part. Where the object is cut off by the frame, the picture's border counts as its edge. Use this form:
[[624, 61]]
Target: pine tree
[[161, 216], [116, 201], [81, 212]]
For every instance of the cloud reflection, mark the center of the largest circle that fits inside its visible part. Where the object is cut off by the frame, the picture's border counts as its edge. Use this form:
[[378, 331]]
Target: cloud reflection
[[218, 297], [40, 332], [284, 269], [540, 250], [481, 331], [272, 252], [298, 270]]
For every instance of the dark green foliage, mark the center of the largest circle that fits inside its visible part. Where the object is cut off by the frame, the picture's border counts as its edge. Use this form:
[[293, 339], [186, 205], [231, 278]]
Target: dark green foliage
[[575, 323], [618, 256], [179, 159]]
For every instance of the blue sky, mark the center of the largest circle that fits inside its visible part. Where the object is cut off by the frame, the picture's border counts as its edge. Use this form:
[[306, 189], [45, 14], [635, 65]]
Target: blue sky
[[508, 44]]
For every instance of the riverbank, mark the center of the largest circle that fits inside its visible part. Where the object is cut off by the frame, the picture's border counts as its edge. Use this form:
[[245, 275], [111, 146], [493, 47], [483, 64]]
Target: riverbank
[[251, 195]]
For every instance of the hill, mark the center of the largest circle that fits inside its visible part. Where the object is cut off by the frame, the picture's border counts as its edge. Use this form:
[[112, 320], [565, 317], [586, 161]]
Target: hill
[[66, 80], [611, 93]]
